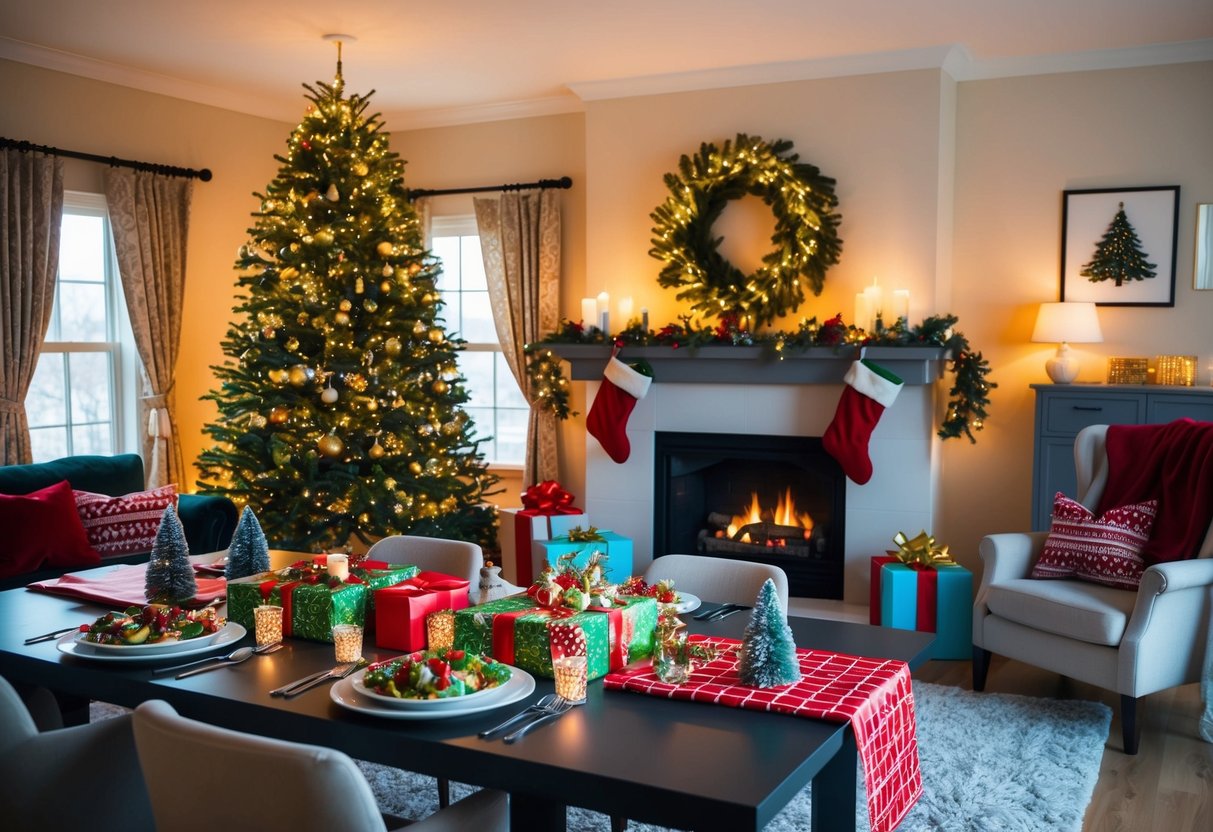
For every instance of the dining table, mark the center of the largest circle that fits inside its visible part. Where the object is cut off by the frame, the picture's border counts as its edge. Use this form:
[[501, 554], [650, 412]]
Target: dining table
[[681, 764]]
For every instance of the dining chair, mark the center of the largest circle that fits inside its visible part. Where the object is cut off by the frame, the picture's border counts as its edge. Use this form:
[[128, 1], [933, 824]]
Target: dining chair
[[718, 579], [202, 778], [85, 776], [451, 557]]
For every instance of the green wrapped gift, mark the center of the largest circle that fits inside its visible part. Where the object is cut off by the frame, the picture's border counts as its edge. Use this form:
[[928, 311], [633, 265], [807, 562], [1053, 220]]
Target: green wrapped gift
[[313, 602], [516, 631]]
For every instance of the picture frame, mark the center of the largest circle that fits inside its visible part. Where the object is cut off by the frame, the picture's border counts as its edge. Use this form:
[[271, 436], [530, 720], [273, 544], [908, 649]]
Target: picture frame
[[1089, 215]]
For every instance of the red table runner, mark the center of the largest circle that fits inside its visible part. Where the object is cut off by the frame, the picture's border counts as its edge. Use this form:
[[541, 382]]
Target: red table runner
[[873, 694], [124, 585]]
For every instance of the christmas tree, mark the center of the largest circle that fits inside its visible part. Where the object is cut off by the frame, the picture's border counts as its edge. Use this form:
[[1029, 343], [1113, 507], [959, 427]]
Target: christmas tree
[[248, 553], [768, 650], [339, 404], [1118, 256], [170, 575]]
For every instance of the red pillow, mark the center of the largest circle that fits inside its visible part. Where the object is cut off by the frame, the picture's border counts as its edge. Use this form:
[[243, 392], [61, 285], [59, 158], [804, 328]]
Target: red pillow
[[125, 525], [42, 529], [1105, 551]]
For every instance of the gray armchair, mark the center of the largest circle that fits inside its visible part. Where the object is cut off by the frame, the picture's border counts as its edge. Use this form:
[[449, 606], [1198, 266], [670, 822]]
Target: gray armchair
[[1133, 643]]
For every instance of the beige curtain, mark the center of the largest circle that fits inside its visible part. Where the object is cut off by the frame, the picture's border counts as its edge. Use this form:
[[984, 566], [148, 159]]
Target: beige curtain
[[150, 217], [31, 186], [520, 242]]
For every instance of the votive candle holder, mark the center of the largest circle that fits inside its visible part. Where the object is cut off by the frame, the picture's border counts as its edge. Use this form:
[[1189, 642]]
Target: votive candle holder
[[267, 624], [440, 630], [570, 673], [347, 642]]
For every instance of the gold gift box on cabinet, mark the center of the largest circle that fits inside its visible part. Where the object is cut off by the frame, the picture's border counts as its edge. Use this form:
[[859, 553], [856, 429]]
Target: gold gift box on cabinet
[[1175, 370], [1128, 370]]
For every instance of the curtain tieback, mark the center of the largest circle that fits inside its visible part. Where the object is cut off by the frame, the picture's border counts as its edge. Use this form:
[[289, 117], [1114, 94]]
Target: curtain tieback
[[10, 406], [158, 423]]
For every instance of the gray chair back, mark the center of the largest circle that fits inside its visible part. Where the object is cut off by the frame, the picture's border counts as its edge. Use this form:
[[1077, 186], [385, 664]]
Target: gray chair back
[[451, 557], [719, 579]]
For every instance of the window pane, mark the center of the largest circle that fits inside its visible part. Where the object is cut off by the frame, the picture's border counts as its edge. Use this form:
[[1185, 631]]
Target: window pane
[[477, 368], [508, 392], [82, 248], [511, 437], [90, 380], [482, 418], [450, 312], [478, 327], [82, 312], [45, 403], [472, 264], [92, 439], [48, 443], [446, 249]]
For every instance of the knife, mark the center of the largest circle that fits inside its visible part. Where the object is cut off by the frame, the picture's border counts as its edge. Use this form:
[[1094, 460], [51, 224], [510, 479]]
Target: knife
[[723, 615], [338, 672], [311, 677], [709, 614]]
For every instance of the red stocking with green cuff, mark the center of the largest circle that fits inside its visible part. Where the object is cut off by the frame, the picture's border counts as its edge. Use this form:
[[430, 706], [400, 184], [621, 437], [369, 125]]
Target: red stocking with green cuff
[[870, 389], [622, 386]]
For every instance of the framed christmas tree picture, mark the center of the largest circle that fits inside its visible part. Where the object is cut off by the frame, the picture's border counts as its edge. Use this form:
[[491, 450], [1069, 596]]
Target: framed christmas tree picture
[[1118, 246]]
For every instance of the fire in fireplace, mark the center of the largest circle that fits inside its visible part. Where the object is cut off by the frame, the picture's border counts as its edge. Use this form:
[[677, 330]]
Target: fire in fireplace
[[770, 499]]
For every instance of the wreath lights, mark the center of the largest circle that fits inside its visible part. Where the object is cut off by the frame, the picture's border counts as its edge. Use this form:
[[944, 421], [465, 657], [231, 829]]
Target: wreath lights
[[805, 241]]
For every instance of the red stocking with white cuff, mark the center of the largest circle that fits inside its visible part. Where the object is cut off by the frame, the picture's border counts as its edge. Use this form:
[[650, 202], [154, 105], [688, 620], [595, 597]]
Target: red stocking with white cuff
[[622, 386], [870, 389]]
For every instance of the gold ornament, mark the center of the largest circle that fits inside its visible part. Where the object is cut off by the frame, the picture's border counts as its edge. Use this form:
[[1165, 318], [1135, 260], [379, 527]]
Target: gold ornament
[[278, 375], [415, 467], [433, 467], [435, 336], [390, 484], [332, 194], [419, 328], [450, 429], [331, 445], [292, 343], [289, 273], [300, 375], [341, 318], [376, 451], [425, 429], [345, 305], [440, 387], [370, 305], [324, 237], [360, 169], [268, 332], [384, 249], [385, 287], [387, 270], [356, 382], [302, 319], [279, 414], [392, 346], [414, 268], [359, 286], [427, 299], [256, 420]]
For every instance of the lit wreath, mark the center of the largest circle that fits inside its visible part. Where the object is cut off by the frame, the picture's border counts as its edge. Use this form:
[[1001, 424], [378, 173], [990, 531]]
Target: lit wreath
[[806, 241]]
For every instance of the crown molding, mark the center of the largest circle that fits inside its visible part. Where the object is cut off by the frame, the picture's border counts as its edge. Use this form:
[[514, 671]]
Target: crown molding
[[553, 105], [1157, 54]]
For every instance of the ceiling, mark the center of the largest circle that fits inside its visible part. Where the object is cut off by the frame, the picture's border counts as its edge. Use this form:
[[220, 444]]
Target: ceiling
[[455, 61]]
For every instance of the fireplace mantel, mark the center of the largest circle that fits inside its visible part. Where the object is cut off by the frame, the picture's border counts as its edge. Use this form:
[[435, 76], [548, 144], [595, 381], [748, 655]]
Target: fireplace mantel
[[725, 364]]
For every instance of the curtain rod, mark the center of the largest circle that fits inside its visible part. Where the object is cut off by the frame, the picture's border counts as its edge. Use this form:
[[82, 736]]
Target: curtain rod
[[562, 182], [112, 161]]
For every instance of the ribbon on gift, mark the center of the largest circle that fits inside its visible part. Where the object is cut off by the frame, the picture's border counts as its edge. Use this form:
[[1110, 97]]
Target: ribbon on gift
[[423, 584], [545, 499], [920, 549], [580, 535], [503, 631]]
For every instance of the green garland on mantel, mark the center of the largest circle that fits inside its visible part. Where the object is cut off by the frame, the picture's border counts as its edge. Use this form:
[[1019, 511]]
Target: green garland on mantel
[[969, 395]]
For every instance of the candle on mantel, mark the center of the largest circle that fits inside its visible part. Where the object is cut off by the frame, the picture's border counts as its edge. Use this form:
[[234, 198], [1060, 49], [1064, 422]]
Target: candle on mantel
[[644, 318], [863, 315], [589, 312], [901, 304], [604, 312], [625, 310], [875, 300]]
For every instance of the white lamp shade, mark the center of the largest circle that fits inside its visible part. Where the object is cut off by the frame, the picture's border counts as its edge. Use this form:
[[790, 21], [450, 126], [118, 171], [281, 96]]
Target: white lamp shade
[[1076, 323]]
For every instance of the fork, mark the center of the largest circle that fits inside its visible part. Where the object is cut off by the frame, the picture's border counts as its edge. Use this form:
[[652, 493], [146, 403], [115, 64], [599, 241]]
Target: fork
[[339, 672], [557, 709], [540, 708]]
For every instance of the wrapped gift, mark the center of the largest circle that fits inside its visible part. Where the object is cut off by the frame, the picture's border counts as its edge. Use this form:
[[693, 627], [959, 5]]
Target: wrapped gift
[[581, 544], [921, 588], [400, 610], [518, 631], [312, 601], [547, 511]]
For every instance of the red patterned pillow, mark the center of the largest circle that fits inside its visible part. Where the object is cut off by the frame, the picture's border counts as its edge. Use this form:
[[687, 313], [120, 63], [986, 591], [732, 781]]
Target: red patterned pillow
[[1106, 550], [125, 525], [42, 530]]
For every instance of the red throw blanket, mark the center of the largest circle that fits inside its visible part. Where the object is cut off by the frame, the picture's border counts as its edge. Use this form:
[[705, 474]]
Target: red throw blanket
[[873, 694], [1171, 463]]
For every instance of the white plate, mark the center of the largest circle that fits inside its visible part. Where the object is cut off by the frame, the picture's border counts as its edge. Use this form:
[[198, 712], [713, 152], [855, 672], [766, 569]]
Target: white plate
[[72, 646], [160, 647], [520, 686], [688, 603], [426, 704]]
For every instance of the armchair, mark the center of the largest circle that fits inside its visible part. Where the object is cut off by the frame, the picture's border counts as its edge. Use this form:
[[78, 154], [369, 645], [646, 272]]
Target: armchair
[[1133, 643]]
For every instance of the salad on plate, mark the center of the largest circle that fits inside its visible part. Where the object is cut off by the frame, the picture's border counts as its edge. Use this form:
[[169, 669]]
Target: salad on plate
[[435, 674], [151, 624]]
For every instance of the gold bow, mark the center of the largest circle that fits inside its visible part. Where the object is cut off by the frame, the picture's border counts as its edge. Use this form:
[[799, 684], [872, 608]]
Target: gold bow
[[580, 535], [920, 549]]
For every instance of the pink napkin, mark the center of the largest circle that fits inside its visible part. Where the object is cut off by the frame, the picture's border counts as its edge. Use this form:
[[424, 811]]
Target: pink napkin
[[123, 586], [874, 694]]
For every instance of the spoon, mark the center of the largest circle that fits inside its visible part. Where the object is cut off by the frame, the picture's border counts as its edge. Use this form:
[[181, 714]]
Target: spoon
[[237, 655]]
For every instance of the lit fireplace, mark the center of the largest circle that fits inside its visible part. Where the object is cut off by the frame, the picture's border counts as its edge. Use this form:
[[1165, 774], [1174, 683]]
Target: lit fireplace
[[781, 529]]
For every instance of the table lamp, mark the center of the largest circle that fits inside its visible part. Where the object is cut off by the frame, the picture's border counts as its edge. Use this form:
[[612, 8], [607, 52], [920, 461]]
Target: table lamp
[[1064, 323]]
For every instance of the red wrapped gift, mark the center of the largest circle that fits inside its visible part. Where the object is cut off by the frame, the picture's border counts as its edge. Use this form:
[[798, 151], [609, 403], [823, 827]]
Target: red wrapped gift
[[519, 527], [400, 610]]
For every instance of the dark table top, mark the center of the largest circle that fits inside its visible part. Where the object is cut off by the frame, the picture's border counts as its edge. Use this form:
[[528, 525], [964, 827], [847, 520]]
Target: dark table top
[[676, 763]]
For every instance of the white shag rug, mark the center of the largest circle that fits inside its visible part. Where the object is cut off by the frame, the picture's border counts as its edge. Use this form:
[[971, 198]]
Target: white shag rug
[[990, 761]]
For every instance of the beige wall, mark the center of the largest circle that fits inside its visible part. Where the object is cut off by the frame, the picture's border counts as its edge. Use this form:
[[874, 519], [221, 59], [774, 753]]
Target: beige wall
[[950, 190]]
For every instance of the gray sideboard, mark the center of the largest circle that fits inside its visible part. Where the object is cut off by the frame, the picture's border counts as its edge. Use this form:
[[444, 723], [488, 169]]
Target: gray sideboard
[[1062, 410]]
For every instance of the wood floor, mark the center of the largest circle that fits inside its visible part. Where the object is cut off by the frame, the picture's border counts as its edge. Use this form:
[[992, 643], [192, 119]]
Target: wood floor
[[1167, 786]]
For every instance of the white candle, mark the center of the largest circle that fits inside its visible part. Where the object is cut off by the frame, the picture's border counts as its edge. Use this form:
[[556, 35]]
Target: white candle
[[875, 300], [589, 311], [338, 566], [901, 304], [625, 310], [604, 312]]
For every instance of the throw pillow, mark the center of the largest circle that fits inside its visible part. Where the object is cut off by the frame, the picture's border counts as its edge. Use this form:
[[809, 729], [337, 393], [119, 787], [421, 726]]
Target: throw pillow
[[125, 525], [1104, 550], [42, 529]]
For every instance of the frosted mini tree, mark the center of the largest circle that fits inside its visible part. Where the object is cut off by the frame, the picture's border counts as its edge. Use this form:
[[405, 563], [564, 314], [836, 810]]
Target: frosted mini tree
[[768, 650], [249, 553], [170, 575], [340, 402], [1118, 256]]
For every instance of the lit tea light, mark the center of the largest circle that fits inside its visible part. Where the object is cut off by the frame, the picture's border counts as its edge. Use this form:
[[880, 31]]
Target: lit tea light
[[440, 630], [570, 674], [267, 624], [347, 642], [338, 566]]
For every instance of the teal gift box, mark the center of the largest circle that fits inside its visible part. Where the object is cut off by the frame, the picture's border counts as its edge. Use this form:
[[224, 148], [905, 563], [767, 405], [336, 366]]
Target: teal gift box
[[618, 550], [936, 598]]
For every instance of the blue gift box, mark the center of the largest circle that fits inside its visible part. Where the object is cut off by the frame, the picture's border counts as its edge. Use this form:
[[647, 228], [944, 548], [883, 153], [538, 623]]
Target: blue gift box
[[953, 602], [618, 550]]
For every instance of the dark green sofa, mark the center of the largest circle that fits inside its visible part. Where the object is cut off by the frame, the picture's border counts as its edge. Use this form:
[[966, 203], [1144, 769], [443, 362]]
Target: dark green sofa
[[208, 520]]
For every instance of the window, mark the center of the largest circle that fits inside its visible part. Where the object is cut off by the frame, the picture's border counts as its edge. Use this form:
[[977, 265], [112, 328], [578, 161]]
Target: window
[[495, 402], [75, 402]]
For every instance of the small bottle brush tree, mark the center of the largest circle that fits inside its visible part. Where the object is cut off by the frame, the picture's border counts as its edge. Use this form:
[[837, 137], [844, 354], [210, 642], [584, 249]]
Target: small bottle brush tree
[[170, 575], [249, 553], [768, 651]]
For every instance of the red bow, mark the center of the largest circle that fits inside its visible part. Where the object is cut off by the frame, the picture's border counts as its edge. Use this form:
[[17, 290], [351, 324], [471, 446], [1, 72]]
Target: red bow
[[547, 497]]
